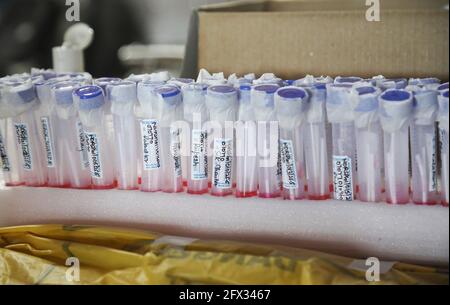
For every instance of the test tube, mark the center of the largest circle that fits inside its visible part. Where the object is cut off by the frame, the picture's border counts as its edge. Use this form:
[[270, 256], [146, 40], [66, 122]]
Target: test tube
[[291, 104], [340, 115], [396, 107], [369, 143], [222, 104], [45, 73], [9, 153], [268, 78], [424, 147], [196, 113], [48, 125], [169, 101], [150, 136], [246, 143], [349, 80], [443, 134], [91, 109], [103, 82], [22, 98], [430, 83], [269, 166], [9, 150], [392, 83], [180, 82], [70, 136], [122, 96], [316, 152]]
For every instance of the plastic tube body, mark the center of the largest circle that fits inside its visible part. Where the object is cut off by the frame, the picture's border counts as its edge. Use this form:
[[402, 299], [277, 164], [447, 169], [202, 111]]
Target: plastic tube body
[[396, 166], [149, 133], [222, 103], [196, 114], [424, 146], [169, 103], [268, 136], [99, 148], [316, 151], [246, 146], [70, 137], [32, 157], [395, 115], [122, 96], [369, 142], [9, 154], [340, 114], [291, 104], [443, 119]]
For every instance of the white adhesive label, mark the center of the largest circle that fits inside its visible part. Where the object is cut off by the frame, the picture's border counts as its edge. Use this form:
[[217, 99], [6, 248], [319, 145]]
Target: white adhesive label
[[279, 170], [432, 152], [4, 156], [81, 148], [343, 178], [150, 144], [288, 166], [48, 141], [175, 148], [199, 159], [93, 150], [222, 163], [23, 139]]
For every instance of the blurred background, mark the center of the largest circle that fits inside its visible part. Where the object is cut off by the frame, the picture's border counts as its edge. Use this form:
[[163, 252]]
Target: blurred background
[[131, 36]]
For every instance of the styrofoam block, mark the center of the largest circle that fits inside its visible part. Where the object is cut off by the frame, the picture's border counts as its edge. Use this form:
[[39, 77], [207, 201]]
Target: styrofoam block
[[409, 233]]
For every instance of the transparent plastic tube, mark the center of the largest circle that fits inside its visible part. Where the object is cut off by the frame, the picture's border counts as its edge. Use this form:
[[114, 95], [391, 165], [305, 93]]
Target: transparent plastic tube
[[316, 156], [424, 146], [269, 171], [269, 166], [291, 106], [100, 154], [48, 128], [71, 137], [340, 114], [150, 136], [246, 163], [292, 163], [169, 102], [9, 154], [369, 144], [344, 148], [316, 150], [122, 96], [444, 167], [32, 158], [125, 147], [443, 118], [222, 102], [22, 101], [195, 113], [246, 137], [395, 115], [424, 164], [396, 166]]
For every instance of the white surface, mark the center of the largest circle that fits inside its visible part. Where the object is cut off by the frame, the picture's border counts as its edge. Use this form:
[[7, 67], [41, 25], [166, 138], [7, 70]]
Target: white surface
[[418, 234]]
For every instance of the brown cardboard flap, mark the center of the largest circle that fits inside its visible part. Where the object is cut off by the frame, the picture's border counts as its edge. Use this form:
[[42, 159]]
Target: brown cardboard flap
[[315, 5], [293, 38]]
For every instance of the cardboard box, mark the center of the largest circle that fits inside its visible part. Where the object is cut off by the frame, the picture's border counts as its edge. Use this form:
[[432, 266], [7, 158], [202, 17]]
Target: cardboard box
[[325, 37]]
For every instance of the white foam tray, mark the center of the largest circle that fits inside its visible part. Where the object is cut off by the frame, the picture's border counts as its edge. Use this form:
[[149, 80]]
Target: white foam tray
[[410, 233]]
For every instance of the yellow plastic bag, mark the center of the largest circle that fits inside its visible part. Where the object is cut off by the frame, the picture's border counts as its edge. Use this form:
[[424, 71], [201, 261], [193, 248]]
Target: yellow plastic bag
[[51, 254]]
